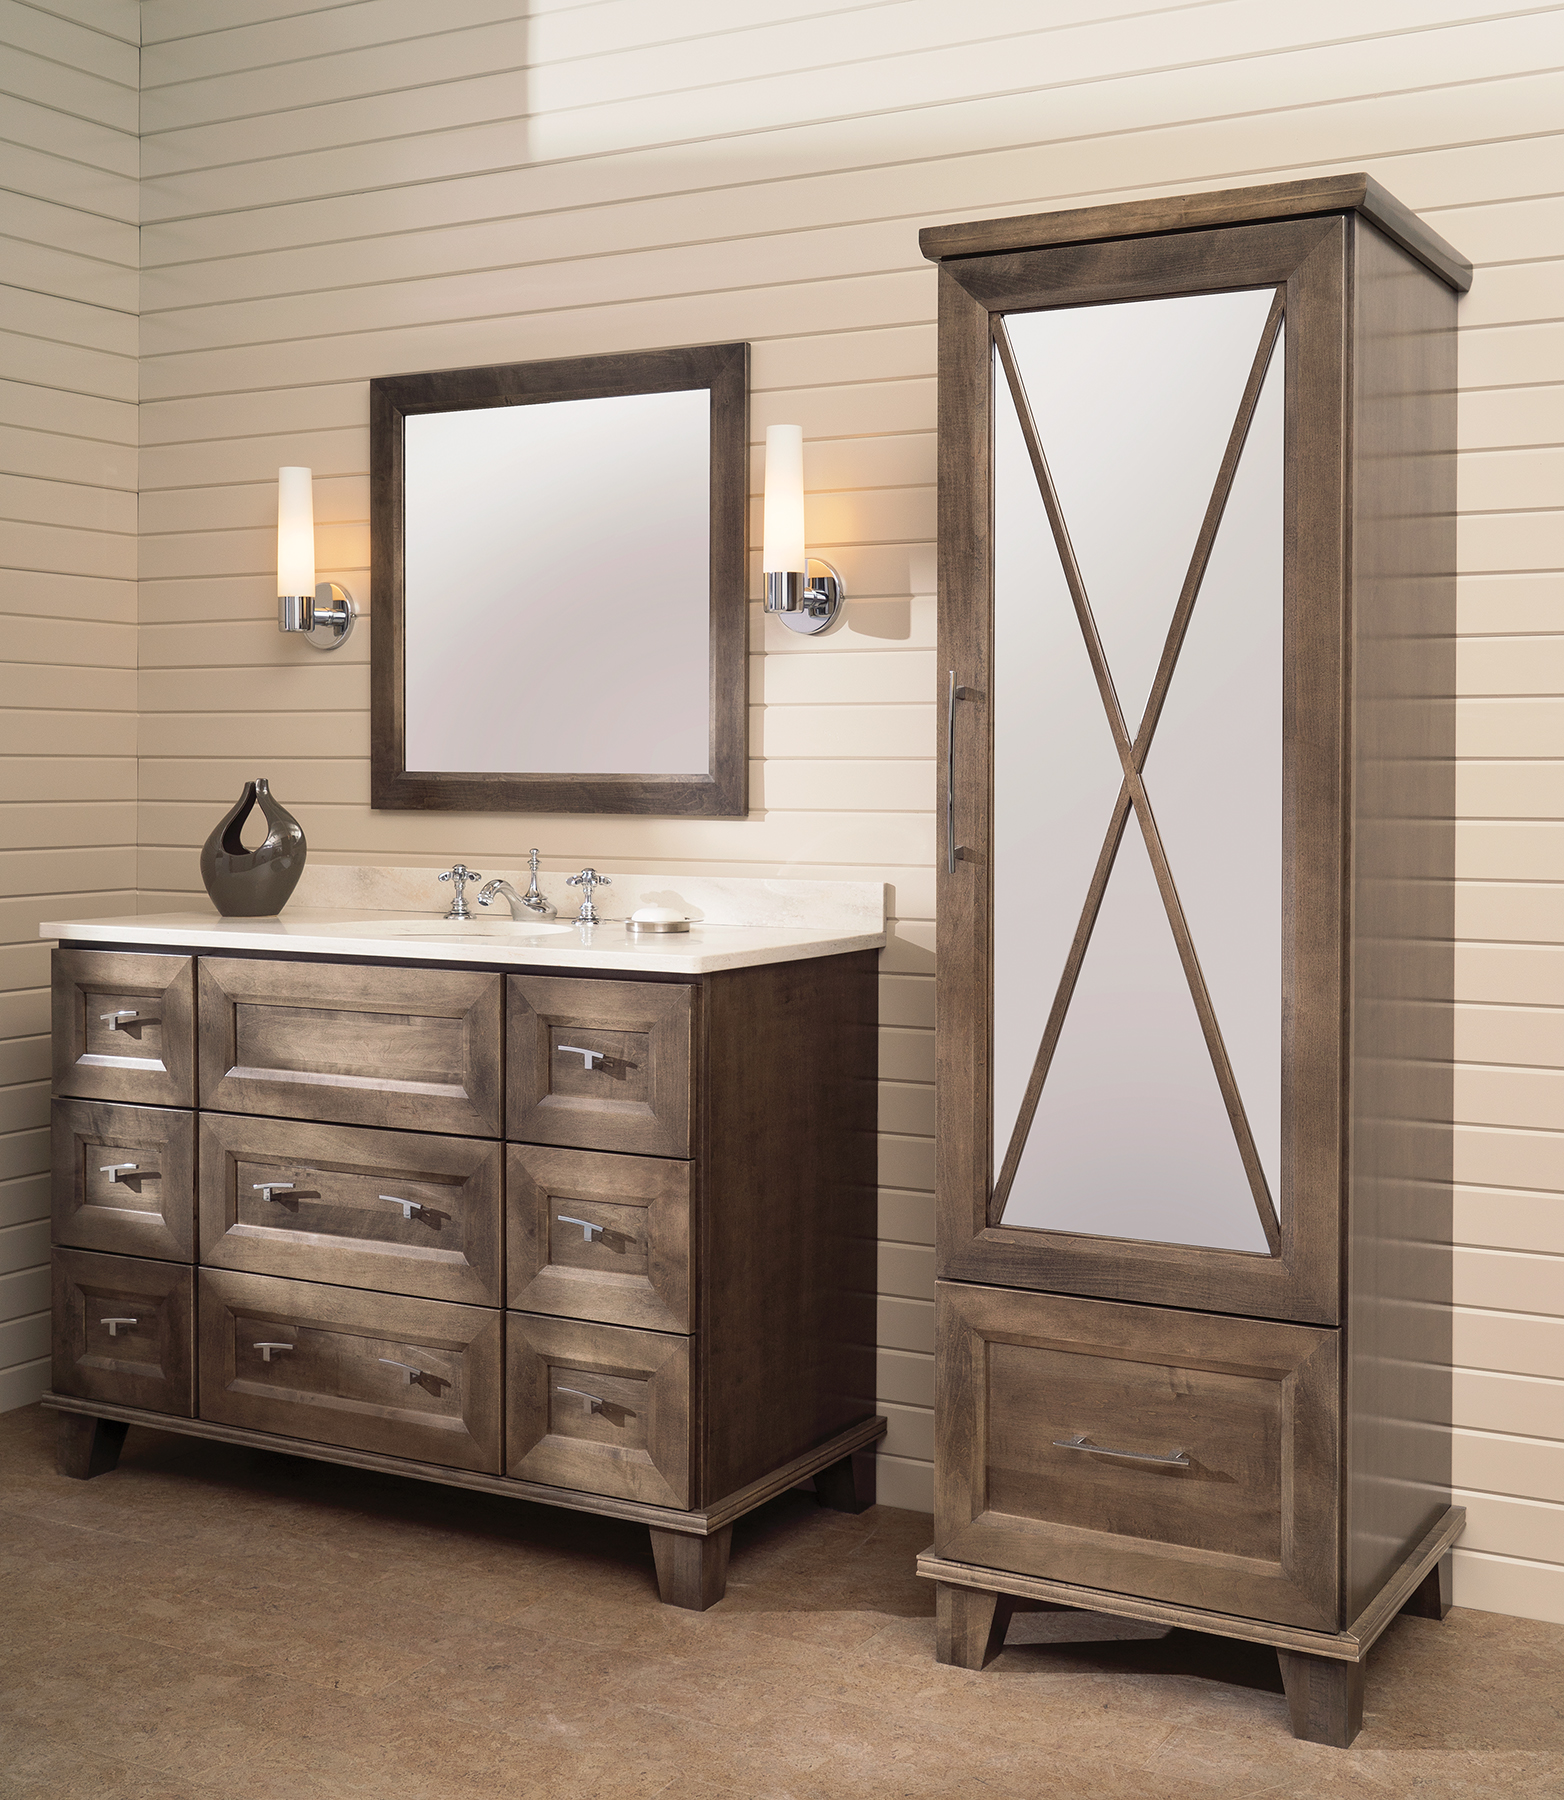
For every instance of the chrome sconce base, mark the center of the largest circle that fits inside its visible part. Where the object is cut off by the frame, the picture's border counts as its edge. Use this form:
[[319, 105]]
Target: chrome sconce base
[[325, 618], [807, 603]]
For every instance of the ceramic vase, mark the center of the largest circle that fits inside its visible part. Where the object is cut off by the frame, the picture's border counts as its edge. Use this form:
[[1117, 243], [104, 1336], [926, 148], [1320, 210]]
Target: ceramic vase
[[253, 884]]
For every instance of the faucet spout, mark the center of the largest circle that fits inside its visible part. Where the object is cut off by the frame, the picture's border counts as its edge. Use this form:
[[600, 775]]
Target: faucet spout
[[522, 906]]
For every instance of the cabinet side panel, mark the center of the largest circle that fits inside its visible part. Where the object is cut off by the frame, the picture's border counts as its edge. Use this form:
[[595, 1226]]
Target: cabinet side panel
[[1402, 956], [787, 1235]]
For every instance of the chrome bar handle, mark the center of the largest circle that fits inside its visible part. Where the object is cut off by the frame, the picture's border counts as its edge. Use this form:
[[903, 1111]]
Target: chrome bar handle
[[595, 1401], [409, 1207], [267, 1188], [114, 1324], [413, 1374], [118, 1171], [115, 1020], [267, 1349], [587, 1231], [952, 853], [1175, 1458], [588, 1057]]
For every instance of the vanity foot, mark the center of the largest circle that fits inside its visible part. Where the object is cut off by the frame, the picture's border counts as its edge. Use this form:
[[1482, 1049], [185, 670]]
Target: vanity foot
[[847, 1486], [969, 1625], [1430, 1599], [692, 1572], [1324, 1696], [86, 1446]]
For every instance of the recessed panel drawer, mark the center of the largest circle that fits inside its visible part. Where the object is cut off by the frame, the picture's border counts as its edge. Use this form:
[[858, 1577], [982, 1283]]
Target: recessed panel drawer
[[397, 1211], [598, 1408], [1182, 1456], [596, 1236], [124, 1027], [599, 1065], [124, 1178], [122, 1330], [414, 1378], [418, 1049]]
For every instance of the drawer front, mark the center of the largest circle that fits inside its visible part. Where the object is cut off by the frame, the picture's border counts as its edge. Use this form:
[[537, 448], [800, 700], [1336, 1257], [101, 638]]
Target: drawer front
[[122, 1331], [599, 1065], [397, 1211], [1222, 1492], [418, 1049], [124, 1027], [124, 1179], [413, 1378], [595, 1236], [598, 1408]]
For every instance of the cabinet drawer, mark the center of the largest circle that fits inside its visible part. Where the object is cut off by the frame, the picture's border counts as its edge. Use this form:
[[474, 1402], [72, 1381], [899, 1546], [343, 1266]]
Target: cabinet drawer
[[122, 1331], [414, 1378], [596, 1236], [124, 1178], [598, 1408], [414, 1048], [396, 1211], [124, 1027], [600, 1065], [1222, 1491]]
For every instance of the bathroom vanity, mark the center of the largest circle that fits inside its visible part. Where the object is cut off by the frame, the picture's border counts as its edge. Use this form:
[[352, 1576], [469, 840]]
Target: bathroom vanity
[[542, 1210]]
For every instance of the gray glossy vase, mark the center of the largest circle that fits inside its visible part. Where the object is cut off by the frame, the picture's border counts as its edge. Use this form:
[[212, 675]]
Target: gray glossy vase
[[253, 884]]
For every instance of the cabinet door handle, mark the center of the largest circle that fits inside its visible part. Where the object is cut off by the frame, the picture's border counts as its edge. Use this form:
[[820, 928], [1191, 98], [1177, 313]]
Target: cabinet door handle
[[952, 854], [413, 1374], [267, 1349], [594, 1401], [588, 1230], [118, 1171], [1175, 1458], [126, 1014], [267, 1188], [588, 1057], [409, 1207], [114, 1325]]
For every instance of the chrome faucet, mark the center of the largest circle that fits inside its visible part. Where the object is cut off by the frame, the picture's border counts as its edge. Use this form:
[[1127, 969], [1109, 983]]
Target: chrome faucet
[[588, 879], [461, 875], [533, 900]]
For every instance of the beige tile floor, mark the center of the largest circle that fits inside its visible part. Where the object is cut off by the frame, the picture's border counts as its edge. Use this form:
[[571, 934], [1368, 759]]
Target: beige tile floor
[[237, 1625]]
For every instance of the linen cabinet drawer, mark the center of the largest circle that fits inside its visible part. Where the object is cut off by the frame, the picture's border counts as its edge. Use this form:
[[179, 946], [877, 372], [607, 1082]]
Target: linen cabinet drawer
[[360, 1045], [380, 1372], [397, 1211], [1180, 1456], [599, 1065], [124, 1027], [122, 1331], [124, 1179], [591, 1235], [598, 1408]]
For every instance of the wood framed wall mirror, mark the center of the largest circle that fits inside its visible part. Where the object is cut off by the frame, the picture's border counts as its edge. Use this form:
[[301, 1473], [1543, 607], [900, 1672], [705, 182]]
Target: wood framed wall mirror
[[559, 562]]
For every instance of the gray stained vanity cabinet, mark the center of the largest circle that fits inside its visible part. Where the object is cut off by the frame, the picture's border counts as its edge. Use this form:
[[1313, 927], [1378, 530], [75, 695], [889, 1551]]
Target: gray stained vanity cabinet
[[606, 1242], [1196, 618]]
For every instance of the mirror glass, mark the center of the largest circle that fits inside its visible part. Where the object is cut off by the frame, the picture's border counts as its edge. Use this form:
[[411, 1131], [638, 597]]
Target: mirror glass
[[569, 545]]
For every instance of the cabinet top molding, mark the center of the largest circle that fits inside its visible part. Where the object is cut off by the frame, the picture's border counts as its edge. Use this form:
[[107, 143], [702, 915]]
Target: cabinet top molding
[[1199, 212]]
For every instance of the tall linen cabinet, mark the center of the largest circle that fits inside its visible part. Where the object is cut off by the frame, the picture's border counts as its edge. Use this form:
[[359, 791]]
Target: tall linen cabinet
[[1197, 619]]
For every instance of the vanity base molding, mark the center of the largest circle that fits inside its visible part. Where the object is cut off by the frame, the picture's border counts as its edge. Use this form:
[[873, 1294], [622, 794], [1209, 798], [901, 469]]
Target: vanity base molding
[[1322, 1671], [92, 1433]]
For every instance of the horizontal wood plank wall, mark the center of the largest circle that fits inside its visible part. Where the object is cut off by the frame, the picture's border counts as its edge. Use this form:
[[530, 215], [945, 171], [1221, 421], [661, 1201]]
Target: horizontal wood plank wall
[[351, 191], [68, 273]]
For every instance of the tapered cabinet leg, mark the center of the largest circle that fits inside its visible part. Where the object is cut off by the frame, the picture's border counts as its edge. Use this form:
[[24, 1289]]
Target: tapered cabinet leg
[[87, 1447], [692, 1572], [1324, 1696], [1430, 1599], [848, 1486], [969, 1625]]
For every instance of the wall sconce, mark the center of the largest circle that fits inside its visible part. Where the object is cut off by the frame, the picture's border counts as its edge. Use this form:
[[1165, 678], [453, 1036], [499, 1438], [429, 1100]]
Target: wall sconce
[[802, 601], [323, 612]]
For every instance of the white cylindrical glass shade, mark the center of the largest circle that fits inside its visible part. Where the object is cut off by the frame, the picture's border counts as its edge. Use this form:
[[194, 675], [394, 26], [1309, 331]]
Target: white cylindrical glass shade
[[295, 532], [783, 542]]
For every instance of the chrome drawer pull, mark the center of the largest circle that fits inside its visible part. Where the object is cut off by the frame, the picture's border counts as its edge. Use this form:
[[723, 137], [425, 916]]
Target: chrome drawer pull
[[594, 1401], [409, 1207], [118, 1171], [114, 1324], [115, 1020], [1176, 1458], [588, 1230], [412, 1373], [267, 1349], [267, 1188], [588, 1057]]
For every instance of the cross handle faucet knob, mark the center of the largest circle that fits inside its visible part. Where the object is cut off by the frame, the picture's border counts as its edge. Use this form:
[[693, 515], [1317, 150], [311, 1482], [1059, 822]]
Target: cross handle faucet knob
[[588, 879], [461, 875]]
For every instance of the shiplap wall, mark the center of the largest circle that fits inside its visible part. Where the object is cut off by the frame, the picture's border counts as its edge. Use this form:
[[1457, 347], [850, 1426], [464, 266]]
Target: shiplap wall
[[68, 273], [341, 191]]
